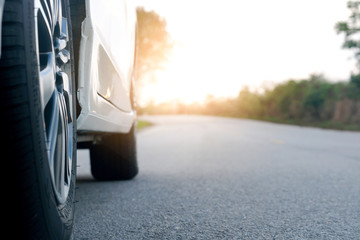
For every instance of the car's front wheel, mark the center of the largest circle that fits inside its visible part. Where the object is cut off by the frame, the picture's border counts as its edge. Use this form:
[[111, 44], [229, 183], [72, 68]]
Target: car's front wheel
[[38, 117]]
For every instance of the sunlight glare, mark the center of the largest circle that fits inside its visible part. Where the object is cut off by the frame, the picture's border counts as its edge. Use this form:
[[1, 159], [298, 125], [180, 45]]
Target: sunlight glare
[[224, 47]]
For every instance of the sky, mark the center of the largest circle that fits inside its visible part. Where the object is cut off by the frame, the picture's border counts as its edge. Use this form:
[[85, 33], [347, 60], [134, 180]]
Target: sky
[[225, 45]]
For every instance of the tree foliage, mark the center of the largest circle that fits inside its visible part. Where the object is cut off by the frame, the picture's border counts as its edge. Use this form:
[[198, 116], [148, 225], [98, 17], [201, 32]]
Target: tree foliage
[[351, 29], [311, 101], [153, 42]]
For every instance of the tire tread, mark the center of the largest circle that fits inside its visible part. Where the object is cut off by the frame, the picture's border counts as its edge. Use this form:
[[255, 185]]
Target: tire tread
[[115, 157], [16, 125]]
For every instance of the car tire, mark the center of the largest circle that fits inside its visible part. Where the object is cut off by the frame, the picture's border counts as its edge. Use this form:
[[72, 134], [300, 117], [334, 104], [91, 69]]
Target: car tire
[[114, 157], [37, 102]]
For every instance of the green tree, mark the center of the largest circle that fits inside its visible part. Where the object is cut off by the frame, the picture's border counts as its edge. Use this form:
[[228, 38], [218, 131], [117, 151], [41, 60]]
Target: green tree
[[351, 29], [153, 42], [248, 104], [315, 97]]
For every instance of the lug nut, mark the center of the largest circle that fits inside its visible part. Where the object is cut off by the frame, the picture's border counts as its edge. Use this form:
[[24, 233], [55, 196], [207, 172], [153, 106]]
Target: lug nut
[[63, 57]]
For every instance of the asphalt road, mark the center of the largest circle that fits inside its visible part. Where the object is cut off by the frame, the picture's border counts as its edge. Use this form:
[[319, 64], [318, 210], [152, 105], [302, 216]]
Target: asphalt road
[[221, 178]]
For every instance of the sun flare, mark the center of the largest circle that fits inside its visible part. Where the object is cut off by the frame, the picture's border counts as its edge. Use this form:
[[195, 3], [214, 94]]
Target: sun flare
[[246, 45]]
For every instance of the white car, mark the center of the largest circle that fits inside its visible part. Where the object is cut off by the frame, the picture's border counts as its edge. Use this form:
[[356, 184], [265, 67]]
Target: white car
[[66, 81]]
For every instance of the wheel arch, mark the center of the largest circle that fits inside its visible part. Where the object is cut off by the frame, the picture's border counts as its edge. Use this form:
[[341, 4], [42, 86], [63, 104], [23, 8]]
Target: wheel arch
[[78, 14]]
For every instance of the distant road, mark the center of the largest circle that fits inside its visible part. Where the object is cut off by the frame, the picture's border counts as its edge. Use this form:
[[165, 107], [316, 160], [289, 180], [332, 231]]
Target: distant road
[[221, 178]]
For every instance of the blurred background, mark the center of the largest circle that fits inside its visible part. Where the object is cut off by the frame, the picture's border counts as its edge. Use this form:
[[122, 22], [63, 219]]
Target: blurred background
[[284, 61]]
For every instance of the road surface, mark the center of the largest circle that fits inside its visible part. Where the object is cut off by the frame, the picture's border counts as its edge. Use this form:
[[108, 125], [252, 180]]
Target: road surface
[[223, 178]]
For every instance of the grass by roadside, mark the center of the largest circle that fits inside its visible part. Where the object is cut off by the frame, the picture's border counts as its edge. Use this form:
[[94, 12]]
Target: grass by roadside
[[323, 124], [142, 124]]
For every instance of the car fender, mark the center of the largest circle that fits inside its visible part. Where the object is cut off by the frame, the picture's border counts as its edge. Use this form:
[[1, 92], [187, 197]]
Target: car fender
[[105, 67]]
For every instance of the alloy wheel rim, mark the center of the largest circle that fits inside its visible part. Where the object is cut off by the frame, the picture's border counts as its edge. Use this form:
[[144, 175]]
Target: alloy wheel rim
[[56, 91]]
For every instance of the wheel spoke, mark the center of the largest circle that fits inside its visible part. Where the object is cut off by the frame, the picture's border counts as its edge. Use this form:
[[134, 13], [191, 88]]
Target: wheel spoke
[[59, 149], [57, 11], [45, 22], [47, 6], [66, 157], [47, 78], [56, 91], [69, 150], [59, 170], [52, 128]]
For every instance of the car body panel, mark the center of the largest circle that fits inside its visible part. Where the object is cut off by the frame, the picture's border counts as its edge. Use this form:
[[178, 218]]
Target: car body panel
[[106, 63]]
